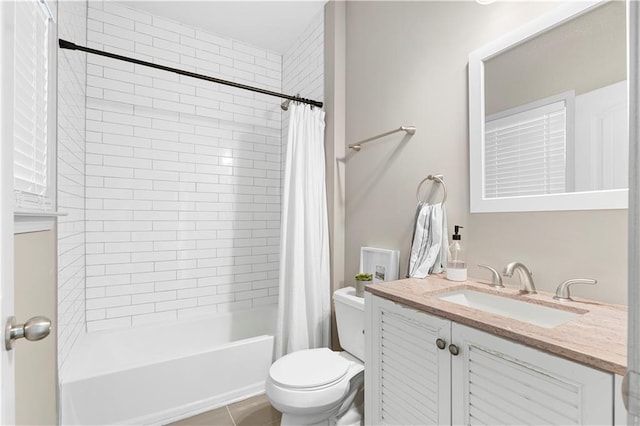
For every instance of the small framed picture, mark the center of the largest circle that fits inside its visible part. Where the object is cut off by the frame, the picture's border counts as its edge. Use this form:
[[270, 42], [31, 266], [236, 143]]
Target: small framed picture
[[383, 264]]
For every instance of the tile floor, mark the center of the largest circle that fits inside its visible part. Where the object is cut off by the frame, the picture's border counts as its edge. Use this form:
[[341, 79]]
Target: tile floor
[[255, 411]]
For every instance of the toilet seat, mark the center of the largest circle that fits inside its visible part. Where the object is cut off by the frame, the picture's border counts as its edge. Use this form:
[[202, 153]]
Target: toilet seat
[[309, 369]]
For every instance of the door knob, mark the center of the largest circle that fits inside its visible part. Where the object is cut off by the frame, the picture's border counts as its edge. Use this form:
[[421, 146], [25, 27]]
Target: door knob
[[440, 343], [36, 328]]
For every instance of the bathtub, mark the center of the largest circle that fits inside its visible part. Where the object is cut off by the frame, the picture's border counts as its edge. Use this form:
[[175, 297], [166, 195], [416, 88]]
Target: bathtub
[[165, 372]]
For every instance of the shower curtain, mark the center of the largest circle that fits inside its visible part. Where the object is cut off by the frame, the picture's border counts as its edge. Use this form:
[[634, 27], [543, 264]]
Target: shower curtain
[[304, 303]]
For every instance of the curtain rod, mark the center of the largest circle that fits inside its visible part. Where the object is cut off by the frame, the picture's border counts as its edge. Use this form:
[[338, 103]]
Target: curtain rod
[[64, 44]]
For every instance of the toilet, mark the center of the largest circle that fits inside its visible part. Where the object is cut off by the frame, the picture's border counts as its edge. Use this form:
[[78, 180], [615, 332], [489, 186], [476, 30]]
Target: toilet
[[320, 386]]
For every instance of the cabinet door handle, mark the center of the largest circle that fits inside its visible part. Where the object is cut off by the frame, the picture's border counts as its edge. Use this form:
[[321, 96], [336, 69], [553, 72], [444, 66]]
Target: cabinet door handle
[[440, 343], [454, 349]]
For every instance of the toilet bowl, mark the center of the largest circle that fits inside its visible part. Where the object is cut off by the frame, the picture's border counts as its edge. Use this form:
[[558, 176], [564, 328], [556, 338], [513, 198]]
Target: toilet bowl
[[319, 386], [310, 387]]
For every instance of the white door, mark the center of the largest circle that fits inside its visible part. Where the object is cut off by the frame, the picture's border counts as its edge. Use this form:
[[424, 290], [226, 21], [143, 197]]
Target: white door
[[27, 370], [601, 127], [633, 336], [7, 373]]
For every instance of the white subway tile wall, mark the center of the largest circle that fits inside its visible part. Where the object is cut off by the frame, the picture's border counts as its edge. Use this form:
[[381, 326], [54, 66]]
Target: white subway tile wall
[[303, 62], [183, 175], [72, 25], [303, 70]]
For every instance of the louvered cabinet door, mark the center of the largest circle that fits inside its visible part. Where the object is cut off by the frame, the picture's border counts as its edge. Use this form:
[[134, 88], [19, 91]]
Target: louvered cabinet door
[[407, 378], [499, 382]]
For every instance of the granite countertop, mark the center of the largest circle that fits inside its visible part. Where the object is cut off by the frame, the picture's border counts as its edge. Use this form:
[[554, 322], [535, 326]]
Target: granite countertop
[[597, 338]]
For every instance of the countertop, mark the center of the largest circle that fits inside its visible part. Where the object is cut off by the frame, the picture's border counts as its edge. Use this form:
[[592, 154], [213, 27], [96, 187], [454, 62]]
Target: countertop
[[597, 338]]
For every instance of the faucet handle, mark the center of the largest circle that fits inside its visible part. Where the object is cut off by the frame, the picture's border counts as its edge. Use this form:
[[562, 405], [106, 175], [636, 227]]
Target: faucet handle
[[496, 279], [562, 292]]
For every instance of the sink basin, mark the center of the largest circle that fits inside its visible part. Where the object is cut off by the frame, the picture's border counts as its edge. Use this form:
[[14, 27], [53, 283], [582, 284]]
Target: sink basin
[[531, 313]]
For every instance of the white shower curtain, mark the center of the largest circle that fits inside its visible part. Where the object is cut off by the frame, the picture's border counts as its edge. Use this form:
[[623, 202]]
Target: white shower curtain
[[304, 304]]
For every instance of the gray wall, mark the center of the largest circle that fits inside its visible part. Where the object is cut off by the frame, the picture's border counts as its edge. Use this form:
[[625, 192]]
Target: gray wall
[[36, 362], [407, 65], [335, 104]]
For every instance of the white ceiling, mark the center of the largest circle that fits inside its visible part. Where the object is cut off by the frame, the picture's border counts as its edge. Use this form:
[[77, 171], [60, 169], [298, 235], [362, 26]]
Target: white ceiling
[[272, 25]]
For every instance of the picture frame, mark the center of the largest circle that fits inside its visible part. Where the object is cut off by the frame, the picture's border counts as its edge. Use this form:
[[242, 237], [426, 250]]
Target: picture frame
[[383, 264]]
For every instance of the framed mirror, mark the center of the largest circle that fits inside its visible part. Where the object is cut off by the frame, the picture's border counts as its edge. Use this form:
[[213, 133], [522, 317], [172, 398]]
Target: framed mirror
[[548, 120]]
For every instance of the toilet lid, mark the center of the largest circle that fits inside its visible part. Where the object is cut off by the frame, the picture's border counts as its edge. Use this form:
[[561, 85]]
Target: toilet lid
[[309, 368]]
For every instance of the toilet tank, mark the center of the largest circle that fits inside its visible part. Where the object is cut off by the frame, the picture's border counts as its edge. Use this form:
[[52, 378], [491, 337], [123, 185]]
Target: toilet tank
[[350, 321]]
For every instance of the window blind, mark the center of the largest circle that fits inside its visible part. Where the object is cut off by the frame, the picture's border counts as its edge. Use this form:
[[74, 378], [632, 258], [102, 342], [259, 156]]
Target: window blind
[[525, 153], [30, 120]]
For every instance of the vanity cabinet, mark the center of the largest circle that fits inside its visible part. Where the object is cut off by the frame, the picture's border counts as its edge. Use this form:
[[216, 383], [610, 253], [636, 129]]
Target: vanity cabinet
[[423, 369], [407, 378]]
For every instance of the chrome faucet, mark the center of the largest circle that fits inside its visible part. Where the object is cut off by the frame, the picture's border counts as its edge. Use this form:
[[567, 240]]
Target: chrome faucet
[[525, 276]]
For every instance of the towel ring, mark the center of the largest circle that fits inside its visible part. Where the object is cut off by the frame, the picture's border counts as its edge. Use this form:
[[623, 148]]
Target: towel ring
[[436, 178]]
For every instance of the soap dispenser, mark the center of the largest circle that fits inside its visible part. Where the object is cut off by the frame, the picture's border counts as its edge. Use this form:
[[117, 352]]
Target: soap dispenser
[[456, 265]]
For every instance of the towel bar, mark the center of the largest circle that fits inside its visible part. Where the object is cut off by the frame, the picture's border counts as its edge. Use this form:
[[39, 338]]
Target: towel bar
[[410, 130]]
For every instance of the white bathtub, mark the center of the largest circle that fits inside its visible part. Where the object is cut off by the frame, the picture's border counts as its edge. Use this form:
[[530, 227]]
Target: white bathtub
[[165, 372]]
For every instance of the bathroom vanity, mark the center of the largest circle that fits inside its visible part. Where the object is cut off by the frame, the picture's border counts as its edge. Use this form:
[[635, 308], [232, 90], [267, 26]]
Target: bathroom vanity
[[439, 352]]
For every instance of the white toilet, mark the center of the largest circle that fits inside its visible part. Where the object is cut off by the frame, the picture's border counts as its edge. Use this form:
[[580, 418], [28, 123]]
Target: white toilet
[[319, 386]]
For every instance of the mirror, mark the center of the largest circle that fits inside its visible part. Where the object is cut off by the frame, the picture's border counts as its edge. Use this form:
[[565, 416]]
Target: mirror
[[548, 113]]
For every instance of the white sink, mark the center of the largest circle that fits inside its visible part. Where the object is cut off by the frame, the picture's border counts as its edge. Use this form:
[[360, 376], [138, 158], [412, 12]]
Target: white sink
[[531, 313]]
